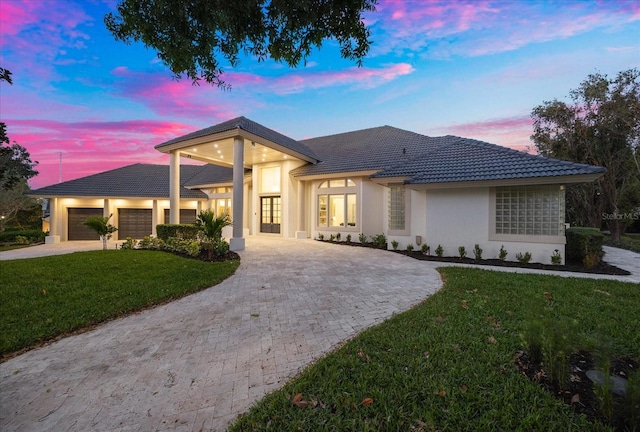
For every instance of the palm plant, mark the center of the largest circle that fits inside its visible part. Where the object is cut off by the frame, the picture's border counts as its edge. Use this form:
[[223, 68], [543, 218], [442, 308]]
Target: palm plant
[[101, 226], [211, 226]]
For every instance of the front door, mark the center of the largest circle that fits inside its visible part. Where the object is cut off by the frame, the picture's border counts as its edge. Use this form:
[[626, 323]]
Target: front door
[[270, 214]]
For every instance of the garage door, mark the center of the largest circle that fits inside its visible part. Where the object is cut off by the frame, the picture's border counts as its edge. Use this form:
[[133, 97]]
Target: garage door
[[134, 223], [76, 228], [187, 216]]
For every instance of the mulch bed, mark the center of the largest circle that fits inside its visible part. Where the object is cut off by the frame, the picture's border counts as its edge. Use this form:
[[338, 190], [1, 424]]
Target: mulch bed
[[579, 389], [601, 268]]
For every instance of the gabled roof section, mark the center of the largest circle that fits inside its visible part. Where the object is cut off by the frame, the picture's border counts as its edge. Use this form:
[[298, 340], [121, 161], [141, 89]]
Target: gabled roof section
[[250, 126], [367, 150], [138, 180], [212, 174], [468, 160]]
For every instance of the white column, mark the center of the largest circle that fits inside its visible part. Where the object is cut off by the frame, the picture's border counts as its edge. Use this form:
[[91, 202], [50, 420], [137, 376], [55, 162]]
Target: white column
[[301, 233], [174, 187], [154, 218], [237, 241], [247, 209], [54, 218]]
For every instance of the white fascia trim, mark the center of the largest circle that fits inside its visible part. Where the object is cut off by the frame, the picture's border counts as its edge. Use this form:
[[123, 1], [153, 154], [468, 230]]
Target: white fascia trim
[[529, 181], [232, 133], [334, 175]]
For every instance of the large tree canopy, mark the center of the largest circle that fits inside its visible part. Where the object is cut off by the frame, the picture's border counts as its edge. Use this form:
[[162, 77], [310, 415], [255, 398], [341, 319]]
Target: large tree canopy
[[601, 126], [193, 36]]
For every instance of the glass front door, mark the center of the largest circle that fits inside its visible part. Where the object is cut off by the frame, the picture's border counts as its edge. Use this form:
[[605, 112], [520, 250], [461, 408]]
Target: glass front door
[[270, 214]]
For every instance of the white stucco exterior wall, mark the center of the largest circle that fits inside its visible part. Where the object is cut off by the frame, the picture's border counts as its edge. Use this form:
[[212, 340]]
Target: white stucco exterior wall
[[461, 217], [372, 201]]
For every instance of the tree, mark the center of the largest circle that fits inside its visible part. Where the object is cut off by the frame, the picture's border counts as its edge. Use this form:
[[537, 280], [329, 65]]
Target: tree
[[15, 165], [600, 127], [16, 168], [190, 35], [101, 226], [14, 202]]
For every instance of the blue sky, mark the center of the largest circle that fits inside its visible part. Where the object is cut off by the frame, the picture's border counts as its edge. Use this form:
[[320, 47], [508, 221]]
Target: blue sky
[[468, 68]]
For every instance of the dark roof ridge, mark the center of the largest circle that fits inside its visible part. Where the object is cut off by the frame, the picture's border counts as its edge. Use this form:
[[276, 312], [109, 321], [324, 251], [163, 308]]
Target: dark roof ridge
[[363, 130]]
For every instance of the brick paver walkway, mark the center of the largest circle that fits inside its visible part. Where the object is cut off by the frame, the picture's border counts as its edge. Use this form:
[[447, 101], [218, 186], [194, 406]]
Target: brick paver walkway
[[196, 363]]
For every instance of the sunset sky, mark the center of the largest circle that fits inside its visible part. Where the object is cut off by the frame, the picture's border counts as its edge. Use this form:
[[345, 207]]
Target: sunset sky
[[468, 68]]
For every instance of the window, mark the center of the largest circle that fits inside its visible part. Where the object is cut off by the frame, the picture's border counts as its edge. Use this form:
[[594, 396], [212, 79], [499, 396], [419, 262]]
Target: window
[[270, 179], [223, 205], [530, 210], [337, 204], [396, 208]]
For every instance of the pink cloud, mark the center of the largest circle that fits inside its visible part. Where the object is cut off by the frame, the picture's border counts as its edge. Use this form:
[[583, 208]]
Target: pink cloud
[[88, 147], [295, 82], [446, 28], [512, 132], [172, 98], [44, 29]]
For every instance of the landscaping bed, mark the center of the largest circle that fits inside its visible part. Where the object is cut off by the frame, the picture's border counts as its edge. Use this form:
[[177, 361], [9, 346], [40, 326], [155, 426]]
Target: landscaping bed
[[579, 391], [601, 268]]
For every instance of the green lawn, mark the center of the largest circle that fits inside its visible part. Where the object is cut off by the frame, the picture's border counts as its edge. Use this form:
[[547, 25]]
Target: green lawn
[[448, 364], [41, 298], [628, 241]]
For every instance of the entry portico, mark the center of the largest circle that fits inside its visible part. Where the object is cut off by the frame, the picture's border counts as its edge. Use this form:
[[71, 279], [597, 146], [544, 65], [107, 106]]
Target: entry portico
[[245, 145]]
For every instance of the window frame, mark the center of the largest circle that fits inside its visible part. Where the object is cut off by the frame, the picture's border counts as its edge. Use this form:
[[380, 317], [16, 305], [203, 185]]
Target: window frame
[[533, 195], [406, 211], [349, 189]]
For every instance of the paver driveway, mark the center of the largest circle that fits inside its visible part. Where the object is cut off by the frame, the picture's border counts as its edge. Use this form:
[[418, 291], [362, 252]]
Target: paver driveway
[[198, 362]]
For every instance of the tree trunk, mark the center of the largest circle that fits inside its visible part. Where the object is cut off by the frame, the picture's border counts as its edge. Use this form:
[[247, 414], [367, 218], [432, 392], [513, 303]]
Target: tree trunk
[[616, 227]]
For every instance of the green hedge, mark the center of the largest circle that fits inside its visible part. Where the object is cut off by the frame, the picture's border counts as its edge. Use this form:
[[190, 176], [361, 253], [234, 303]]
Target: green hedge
[[584, 245], [181, 231], [34, 235]]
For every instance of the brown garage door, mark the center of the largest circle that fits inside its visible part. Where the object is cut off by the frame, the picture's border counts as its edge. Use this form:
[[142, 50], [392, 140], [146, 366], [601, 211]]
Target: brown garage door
[[134, 223], [76, 228], [187, 216]]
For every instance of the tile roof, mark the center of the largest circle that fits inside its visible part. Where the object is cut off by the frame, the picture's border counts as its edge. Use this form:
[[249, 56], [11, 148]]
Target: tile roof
[[466, 160], [365, 150], [249, 126], [138, 180]]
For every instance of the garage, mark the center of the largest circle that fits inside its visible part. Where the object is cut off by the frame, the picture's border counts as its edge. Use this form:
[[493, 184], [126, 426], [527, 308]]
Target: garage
[[187, 216], [76, 228], [134, 223]]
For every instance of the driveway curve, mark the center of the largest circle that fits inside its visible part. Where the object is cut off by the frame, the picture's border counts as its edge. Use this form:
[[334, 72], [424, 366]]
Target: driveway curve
[[198, 362]]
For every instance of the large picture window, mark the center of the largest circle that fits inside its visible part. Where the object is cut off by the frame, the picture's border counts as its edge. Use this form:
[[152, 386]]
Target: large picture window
[[530, 210], [337, 203]]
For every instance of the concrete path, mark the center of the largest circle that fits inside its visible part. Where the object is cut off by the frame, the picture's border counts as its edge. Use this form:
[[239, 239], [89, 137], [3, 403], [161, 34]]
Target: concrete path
[[196, 363], [56, 249]]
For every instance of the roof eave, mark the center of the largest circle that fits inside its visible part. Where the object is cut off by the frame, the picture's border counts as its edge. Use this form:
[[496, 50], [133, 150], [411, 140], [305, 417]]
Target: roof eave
[[232, 133], [565, 179], [333, 175]]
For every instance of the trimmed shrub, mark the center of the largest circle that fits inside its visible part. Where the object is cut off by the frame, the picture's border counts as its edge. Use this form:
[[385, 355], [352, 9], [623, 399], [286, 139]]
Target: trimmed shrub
[[584, 245], [34, 236], [181, 231]]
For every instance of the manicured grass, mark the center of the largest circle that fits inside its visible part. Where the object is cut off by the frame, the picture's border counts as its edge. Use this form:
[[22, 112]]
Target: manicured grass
[[41, 298], [448, 364], [628, 241]]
